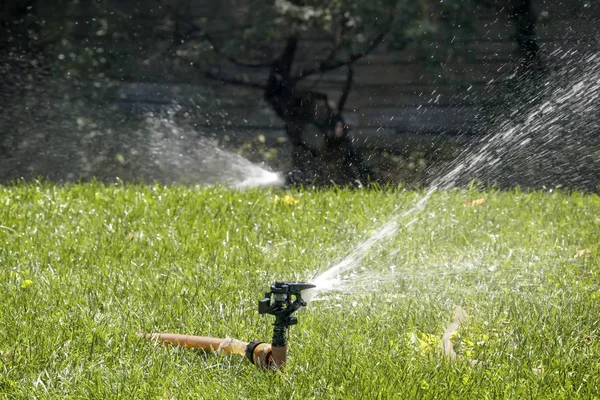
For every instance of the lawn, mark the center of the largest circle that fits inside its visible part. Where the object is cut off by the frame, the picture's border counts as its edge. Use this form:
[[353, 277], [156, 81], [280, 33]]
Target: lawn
[[85, 267]]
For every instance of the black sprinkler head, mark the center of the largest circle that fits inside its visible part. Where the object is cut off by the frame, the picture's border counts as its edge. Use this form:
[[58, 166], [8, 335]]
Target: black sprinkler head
[[283, 300]]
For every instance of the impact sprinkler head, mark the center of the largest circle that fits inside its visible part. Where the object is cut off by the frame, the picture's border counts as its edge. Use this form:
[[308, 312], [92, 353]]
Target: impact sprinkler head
[[282, 301]]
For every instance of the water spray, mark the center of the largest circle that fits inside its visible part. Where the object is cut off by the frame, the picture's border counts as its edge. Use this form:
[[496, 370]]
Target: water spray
[[281, 301]]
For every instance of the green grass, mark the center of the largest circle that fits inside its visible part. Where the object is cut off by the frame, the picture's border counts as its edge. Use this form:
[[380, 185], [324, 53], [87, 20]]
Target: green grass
[[84, 267]]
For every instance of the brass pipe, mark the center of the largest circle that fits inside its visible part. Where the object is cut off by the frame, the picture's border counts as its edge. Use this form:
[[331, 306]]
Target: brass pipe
[[279, 354], [259, 353], [192, 342], [282, 301]]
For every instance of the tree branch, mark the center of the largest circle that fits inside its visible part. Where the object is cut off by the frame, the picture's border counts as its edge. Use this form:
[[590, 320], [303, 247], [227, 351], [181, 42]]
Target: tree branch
[[233, 81], [326, 66], [197, 32], [337, 39], [283, 65], [346, 90]]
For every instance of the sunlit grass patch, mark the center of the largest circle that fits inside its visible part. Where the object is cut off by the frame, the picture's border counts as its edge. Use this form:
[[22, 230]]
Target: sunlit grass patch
[[83, 268]]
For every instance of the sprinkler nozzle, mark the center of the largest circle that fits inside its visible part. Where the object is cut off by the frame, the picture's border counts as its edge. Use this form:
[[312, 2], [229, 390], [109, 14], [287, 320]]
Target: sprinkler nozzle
[[284, 299]]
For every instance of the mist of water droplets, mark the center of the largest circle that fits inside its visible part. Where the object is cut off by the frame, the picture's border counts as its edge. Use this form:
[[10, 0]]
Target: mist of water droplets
[[553, 143], [187, 157]]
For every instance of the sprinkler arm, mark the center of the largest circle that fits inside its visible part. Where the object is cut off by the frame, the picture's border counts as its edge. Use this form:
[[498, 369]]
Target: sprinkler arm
[[260, 354], [282, 301]]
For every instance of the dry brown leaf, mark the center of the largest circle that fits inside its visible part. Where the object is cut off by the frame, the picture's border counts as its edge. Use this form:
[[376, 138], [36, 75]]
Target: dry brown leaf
[[460, 316], [474, 203], [287, 200], [583, 253]]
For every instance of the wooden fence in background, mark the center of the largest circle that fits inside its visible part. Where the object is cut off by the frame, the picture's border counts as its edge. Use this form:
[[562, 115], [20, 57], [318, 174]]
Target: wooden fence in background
[[394, 96]]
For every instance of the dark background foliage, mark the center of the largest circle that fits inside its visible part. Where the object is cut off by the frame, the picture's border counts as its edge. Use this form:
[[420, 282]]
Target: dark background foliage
[[367, 90]]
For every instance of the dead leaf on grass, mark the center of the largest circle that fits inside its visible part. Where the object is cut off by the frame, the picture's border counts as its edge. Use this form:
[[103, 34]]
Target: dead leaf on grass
[[474, 203], [583, 253], [287, 200], [451, 331]]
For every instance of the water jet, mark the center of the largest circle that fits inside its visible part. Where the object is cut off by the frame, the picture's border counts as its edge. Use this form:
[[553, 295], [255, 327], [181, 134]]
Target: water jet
[[552, 142]]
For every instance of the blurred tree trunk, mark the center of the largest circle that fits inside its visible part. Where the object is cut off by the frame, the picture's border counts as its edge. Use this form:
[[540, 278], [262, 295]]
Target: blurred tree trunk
[[335, 159], [521, 12]]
